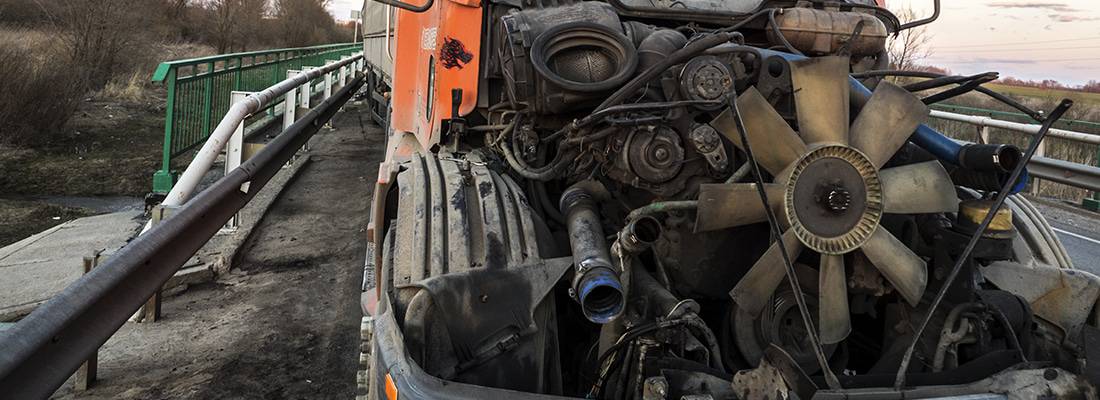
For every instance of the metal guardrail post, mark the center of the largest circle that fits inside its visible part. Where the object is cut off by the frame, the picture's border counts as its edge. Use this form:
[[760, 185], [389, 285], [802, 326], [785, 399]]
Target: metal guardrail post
[[85, 376], [328, 81], [163, 179], [1036, 183], [290, 105], [307, 90], [234, 154]]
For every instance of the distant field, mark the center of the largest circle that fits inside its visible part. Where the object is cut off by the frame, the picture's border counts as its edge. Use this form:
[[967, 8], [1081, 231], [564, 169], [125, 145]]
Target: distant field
[[1082, 98]]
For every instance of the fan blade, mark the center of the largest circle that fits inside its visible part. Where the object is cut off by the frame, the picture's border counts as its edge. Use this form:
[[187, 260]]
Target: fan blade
[[832, 306], [774, 143], [821, 97], [886, 122], [755, 289], [727, 205], [903, 268], [918, 189]]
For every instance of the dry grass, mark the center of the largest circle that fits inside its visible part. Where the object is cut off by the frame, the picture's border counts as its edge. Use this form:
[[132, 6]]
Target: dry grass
[[40, 89]]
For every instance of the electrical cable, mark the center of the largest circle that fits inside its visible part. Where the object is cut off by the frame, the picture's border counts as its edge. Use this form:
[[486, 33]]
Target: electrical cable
[[957, 91], [1002, 195], [986, 91], [778, 33]]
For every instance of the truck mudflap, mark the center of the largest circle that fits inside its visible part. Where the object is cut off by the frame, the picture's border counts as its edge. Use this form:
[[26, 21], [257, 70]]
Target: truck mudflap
[[391, 373]]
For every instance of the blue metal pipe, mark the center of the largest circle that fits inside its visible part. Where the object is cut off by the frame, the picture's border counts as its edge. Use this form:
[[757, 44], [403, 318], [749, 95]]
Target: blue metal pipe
[[927, 138], [932, 141]]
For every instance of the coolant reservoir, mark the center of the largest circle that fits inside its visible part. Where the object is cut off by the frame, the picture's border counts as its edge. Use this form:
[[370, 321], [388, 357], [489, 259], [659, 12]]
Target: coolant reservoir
[[824, 32]]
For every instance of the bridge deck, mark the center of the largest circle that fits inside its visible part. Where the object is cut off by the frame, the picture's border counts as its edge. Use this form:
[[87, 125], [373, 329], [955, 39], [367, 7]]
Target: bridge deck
[[284, 322]]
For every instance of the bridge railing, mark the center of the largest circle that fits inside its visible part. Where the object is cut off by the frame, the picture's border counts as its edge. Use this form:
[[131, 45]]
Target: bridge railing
[[1076, 150], [200, 90]]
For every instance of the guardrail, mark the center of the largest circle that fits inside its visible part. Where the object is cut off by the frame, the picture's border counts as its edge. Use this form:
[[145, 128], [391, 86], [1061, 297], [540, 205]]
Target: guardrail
[[200, 89], [41, 351], [1061, 171]]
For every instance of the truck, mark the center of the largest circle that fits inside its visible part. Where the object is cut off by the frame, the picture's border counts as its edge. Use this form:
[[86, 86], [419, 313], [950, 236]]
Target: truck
[[697, 199]]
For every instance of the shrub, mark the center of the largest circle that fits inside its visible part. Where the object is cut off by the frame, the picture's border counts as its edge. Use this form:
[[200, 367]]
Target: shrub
[[40, 90]]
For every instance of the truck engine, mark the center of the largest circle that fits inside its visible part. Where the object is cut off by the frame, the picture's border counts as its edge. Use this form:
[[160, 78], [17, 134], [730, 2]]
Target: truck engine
[[697, 199]]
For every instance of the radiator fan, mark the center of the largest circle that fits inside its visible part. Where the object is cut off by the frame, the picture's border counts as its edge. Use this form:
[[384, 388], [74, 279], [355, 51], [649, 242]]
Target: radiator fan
[[829, 187]]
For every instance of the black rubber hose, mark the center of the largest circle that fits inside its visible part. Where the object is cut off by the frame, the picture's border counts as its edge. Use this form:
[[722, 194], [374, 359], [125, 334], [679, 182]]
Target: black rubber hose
[[678, 56], [658, 46], [983, 90]]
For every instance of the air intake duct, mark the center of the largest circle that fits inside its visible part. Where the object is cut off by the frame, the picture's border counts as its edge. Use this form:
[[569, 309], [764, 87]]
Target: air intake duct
[[596, 285], [564, 58]]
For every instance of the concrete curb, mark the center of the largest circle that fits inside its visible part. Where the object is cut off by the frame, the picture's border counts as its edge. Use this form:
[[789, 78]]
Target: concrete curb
[[216, 257]]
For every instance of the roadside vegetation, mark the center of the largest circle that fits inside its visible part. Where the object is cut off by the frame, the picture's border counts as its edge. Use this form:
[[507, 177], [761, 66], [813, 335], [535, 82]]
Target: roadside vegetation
[[910, 50], [79, 115]]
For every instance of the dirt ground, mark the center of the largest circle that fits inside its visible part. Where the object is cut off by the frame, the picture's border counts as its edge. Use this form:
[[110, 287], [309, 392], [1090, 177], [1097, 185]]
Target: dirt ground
[[110, 148], [25, 218], [284, 323]]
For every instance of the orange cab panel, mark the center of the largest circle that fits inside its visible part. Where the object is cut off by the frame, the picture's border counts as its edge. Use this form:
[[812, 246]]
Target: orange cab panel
[[436, 51]]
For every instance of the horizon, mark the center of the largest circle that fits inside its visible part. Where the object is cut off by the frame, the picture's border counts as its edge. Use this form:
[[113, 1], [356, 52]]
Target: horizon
[[1060, 39], [341, 9], [1024, 39]]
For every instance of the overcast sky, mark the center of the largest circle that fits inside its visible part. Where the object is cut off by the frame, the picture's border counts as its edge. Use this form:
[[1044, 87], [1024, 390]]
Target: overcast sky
[[341, 9], [1028, 39]]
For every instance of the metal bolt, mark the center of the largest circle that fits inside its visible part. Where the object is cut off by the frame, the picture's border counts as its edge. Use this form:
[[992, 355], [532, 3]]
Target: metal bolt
[[838, 199]]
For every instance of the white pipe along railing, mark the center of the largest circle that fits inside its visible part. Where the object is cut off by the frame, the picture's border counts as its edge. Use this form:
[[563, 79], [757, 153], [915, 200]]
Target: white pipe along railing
[[1065, 172], [231, 124], [237, 113], [1016, 126]]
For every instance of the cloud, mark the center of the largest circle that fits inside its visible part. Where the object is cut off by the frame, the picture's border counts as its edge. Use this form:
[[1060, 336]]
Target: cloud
[[985, 60], [1072, 18], [1048, 5]]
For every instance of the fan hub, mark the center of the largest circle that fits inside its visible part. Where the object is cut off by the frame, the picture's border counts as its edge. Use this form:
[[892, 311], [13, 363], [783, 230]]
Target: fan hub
[[833, 199]]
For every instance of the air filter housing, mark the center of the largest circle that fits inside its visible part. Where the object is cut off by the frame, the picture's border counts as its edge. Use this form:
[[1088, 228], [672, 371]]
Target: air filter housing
[[563, 58]]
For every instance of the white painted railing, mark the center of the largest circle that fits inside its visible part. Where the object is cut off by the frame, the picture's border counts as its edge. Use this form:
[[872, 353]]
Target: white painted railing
[[1061, 171]]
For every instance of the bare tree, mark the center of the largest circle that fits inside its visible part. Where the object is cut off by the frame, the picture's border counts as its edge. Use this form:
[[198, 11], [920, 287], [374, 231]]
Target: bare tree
[[910, 46], [305, 22], [235, 22], [95, 33]]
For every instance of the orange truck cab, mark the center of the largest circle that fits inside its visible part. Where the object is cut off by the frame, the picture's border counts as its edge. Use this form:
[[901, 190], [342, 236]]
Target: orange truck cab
[[696, 199]]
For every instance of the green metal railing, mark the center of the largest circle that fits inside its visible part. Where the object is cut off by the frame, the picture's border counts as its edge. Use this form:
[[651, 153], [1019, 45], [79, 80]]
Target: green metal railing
[[1092, 203], [199, 92]]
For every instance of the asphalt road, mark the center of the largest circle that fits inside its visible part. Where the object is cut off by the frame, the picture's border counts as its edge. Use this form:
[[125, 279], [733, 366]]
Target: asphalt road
[[1080, 233]]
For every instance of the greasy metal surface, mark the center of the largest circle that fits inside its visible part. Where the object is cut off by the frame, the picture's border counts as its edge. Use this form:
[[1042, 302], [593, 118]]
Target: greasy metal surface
[[903, 268], [826, 31], [754, 291], [42, 350], [774, 143], [820, 88], [886, 122], [764, 382], [654, 153], [918, 189], [1063, 297], [1011, 384]]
